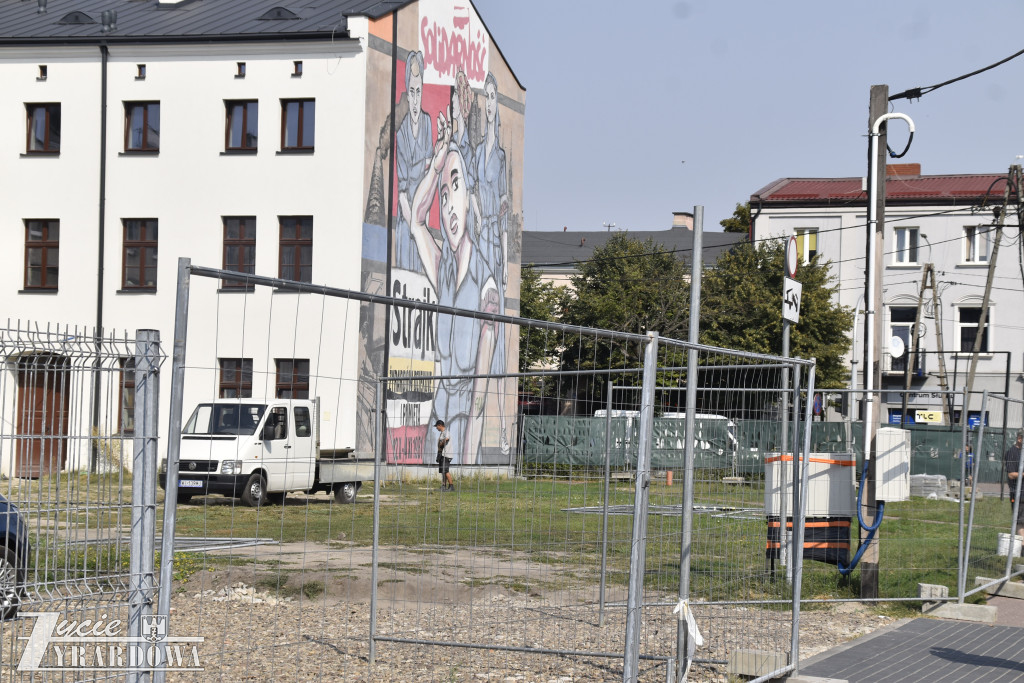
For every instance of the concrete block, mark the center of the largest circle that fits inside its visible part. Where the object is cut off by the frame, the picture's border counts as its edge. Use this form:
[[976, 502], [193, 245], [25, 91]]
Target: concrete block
[[733, 480], [812, 679], [984, 614], [755, 663], [1006, 588], [931, 591]]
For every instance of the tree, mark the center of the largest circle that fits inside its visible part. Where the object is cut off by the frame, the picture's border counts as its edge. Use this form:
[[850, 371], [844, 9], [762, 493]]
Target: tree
[[741, 308], [540, 301], [739, 221]]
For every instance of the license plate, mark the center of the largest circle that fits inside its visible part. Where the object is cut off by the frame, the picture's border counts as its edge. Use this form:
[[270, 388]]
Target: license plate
[[190, 484]]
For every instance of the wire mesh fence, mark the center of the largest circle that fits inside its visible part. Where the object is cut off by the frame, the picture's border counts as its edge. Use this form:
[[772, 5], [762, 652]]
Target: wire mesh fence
[[580, 525], [73, 432]]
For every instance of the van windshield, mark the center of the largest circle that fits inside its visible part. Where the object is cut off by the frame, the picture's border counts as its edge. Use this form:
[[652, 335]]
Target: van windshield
[[225, 419]]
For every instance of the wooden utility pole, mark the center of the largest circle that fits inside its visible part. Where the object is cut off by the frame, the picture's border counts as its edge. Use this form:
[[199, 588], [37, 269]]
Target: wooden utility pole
[[1013, 178], [911, 363], [879, 105]]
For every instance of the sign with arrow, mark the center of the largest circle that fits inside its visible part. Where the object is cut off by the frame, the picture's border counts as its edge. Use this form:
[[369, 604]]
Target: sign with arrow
[[791, 293]]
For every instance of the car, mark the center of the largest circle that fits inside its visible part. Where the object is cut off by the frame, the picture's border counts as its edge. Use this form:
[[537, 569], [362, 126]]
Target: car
[[14, 555]]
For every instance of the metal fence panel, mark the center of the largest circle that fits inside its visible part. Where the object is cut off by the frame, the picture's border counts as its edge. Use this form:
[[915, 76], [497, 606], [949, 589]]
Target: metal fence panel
[[79, 545]]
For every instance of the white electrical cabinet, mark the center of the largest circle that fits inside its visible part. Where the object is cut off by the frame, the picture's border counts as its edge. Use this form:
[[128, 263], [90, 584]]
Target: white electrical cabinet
[[830, 490], [892, 464]]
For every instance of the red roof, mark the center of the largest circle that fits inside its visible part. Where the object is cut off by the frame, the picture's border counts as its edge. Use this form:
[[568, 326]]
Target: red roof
[[923, 189]]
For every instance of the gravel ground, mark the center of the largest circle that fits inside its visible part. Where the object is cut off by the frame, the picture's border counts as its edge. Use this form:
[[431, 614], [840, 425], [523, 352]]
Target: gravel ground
[[255, 636]]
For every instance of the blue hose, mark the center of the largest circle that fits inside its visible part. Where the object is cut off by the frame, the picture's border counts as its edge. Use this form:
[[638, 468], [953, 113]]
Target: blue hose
[[846, 571]]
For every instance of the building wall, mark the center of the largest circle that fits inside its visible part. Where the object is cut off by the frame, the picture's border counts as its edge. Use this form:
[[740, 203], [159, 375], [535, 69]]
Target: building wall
[[346, 184], [842, 240], [444, 68], [187, 187]]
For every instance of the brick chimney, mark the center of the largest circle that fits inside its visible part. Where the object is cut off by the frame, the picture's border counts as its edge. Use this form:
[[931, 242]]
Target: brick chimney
[[682, 219], [902, 170]]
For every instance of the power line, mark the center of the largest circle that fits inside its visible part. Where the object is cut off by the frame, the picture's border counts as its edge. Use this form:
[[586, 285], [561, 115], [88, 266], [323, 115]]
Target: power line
[[915, 93]]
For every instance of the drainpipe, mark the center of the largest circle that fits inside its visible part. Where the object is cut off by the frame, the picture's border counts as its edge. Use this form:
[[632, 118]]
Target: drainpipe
[[104, 57]]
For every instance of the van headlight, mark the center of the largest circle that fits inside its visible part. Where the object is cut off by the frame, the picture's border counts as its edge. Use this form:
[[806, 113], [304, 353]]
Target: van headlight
[[231, 467]]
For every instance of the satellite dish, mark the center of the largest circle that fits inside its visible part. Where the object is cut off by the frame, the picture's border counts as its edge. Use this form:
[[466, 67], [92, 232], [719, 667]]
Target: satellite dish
[[896, 347]]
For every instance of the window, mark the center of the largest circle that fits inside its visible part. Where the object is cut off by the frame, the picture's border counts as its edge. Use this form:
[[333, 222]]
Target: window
[[242, 125], [43, 128], [126, 420], [235, 378], [292, 378], [297, 68], [140, 73], [240, 73], [42, 73], [139, 259], [239, 247], [276, 426], [298, 125], [303, 425], [806, 244], [967, 321], [976, 243], [901, 324], [42, 251], [142, 126], [906, 246], [296, 249]]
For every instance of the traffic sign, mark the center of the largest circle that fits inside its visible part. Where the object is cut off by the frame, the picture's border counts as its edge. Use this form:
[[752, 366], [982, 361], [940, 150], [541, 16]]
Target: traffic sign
[[792, 257], [791, 293]]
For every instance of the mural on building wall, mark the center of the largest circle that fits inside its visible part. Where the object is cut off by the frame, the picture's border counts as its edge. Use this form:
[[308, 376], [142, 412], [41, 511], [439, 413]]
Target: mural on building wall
[[455, 232]]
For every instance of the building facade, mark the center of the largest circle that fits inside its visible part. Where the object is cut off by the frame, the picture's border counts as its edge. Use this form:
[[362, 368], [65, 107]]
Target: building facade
[[941, 224], [282, 141]]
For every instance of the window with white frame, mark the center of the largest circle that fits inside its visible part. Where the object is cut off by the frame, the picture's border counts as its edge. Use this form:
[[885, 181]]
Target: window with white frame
[[967, 319], [806, 244], [976, 243], [906, 245], [901, 324]]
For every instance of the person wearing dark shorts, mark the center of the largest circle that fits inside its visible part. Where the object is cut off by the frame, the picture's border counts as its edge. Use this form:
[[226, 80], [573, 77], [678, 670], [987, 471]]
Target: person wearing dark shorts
[[1011, 459], [443, 462]]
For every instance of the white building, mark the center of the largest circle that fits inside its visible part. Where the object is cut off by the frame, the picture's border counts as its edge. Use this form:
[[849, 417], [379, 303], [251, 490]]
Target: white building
[[944, 220], [242, 135]]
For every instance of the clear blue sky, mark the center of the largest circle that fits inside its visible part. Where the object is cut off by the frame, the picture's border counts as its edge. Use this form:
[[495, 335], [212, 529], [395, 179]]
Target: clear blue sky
[[620, 94]]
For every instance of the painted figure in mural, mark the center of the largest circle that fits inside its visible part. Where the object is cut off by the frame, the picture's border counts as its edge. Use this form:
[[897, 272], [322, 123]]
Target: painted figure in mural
[[463, 280], [462, 106], [491, 205], [414, 146]]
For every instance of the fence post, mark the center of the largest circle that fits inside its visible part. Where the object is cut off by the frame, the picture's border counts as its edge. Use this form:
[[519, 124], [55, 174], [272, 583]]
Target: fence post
[[638, 550], [689, 429], [604, 512], [173, 448], [962, 543], [802, 455], [144, 458], [378, 468]]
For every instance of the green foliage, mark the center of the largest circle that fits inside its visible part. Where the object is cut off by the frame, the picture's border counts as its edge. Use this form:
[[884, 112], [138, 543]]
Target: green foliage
[[540, 301], [741, 309], [739, 221]]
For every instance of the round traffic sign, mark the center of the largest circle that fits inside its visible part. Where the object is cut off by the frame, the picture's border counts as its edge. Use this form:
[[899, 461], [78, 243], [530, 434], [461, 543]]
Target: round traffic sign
[[792, 257]]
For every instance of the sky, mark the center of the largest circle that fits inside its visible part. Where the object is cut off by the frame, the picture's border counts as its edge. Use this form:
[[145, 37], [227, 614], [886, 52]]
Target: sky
[[636, 110]]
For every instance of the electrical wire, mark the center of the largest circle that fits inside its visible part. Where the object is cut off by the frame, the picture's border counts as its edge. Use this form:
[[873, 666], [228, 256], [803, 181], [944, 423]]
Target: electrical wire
[[916, 93]]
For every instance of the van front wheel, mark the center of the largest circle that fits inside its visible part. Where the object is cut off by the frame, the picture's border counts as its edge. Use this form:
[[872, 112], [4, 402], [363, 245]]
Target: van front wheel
[[255, 492]]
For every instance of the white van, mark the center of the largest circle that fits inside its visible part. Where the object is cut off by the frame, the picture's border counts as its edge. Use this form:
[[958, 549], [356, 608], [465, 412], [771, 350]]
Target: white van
[[259, 450]]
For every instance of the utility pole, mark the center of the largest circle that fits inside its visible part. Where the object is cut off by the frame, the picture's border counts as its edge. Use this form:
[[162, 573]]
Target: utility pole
[[911, 363], [1011, 181], [937, 312], [878, 107]]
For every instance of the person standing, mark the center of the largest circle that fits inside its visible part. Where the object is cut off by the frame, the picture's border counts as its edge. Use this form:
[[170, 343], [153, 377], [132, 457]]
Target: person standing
[[1011, 460], [443, 461]]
